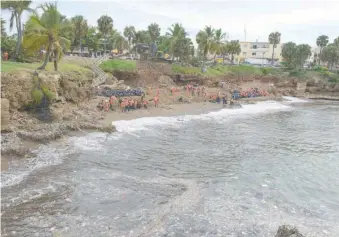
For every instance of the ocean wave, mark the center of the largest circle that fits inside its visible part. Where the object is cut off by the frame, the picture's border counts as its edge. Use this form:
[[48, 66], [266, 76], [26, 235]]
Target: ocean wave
[[21, 168], [130, 126], [291, 99]]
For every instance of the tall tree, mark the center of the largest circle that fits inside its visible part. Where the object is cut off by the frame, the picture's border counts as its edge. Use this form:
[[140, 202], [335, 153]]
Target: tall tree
[[129, 33], [219, 41], [164, 43], [336, 42], [16, 8], [121, 43], [46, 31], [92, 39], [295, 55], [288, 53], [303, 51], [154, 31], [233, 47], [274, 39], [205, 40], [330, 55], [3, 31], [105, 26], [142, 37], [322, 41], [80, 29], [224, 51], [176, 33]]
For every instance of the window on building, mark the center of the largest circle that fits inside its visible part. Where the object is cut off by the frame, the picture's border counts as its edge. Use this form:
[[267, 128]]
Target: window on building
[[253, 54], [254, 46]]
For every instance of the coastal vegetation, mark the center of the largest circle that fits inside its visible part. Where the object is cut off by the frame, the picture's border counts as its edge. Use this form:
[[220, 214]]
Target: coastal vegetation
[[54, 34]]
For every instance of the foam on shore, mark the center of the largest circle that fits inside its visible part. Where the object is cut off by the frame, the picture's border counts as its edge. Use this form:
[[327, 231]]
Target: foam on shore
[[129, 126]]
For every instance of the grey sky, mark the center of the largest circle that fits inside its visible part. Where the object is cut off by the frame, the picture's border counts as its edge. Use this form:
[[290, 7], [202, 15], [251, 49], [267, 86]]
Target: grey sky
[[300, 21]]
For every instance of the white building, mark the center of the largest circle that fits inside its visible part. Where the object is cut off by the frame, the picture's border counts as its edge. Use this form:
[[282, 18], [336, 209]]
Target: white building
[[259, 52]]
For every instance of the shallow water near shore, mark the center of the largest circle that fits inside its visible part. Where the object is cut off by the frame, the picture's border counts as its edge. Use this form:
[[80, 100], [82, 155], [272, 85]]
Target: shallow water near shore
[[241, 172]]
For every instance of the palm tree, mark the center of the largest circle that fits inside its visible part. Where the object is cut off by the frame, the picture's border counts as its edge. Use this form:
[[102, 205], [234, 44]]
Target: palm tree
[[16, 8], [274, 39], [3, 32], [154, 31], [219, 40], [80, 29], [175, 34], [233, 47], [142, 37], [92, 39], [46, 31], [205, 40], [120, 43], [322, 41], [224, 51], [105, 25], [129, 33]]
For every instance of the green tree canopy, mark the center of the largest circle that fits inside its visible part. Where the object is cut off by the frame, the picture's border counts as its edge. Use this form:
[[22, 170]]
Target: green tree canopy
[[154, 31], [80, 29], [232, 48], [129, 33], [295, 55], [45, 31], [105, 26], [16, 8], [274, 39], [322, 41]]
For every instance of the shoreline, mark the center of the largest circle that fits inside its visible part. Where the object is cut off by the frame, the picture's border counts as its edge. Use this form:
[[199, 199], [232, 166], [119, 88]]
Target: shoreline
[[20, 144]]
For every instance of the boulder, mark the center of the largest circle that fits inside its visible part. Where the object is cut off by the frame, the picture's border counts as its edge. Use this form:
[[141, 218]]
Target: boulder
[[288, 231], [166, 81]]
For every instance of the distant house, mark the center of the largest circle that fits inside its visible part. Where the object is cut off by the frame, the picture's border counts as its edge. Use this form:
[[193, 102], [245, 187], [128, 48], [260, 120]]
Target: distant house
[[76, 52]]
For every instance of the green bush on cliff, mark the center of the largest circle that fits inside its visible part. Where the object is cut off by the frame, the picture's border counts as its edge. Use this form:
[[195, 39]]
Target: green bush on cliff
[[37, 95], [48, 93]]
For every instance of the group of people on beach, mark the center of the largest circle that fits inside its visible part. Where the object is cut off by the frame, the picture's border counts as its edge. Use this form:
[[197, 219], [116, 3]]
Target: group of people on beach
[[127, 104]]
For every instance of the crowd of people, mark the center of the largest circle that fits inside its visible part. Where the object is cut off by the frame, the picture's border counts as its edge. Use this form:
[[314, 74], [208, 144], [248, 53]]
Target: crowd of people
[[126, 104], [253, 92]]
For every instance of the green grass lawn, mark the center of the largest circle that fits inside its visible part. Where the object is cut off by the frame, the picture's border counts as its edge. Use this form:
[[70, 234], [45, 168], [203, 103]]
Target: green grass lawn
[[118, 64], [8, 66]]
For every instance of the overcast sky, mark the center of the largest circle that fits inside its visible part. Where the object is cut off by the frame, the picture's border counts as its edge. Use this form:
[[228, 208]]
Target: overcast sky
[[300, 21]]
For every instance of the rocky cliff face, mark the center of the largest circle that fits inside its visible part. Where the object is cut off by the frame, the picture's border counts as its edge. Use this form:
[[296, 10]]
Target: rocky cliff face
[[17, 87]]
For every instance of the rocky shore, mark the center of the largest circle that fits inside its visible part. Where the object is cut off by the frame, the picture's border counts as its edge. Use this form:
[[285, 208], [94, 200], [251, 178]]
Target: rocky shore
[[74, 102]]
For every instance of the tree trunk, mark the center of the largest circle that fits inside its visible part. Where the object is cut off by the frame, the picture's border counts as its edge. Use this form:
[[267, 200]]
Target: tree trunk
[[55, 64], [272, 55], [232, 59], [18, 43], [80, 46], [43, 66], [321, 49], [105, 45]]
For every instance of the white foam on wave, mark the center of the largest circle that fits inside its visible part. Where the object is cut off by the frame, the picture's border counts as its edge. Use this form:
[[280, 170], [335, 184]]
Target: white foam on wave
[[21, 168], [130, 126], [291, 99]]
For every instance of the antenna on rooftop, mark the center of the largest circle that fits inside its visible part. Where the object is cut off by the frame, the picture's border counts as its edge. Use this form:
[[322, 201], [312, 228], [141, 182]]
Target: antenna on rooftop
[[245, 32]]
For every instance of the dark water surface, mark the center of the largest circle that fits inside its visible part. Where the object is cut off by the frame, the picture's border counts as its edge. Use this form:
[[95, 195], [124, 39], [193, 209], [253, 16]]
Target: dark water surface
[[228, 173]]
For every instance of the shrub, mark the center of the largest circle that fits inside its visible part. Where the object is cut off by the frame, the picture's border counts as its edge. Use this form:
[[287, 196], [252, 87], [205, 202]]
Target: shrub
[[37, 95], [264, 71], [48, 93]]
